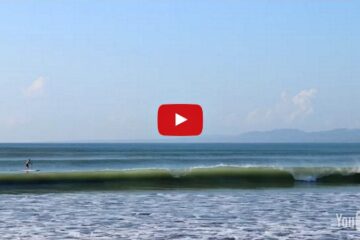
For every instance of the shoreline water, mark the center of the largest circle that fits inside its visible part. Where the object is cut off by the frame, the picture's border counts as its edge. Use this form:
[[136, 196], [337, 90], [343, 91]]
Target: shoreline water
[[303, 213]]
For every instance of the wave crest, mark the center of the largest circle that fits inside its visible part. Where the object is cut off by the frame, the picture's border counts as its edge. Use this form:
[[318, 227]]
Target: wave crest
[[198, 177]]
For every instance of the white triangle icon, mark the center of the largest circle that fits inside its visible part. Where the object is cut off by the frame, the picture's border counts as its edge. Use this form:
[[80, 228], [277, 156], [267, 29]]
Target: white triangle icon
[[179, 119]]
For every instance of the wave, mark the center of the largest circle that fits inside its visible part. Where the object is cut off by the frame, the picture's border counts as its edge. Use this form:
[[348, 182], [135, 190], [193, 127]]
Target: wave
[[198, 177]]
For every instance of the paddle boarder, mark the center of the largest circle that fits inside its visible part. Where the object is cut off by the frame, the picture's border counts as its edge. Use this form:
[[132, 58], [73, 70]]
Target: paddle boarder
[[28, 164]]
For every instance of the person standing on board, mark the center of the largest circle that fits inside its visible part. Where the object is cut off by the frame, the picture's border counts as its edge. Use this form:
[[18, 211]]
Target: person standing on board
[[28, 163]]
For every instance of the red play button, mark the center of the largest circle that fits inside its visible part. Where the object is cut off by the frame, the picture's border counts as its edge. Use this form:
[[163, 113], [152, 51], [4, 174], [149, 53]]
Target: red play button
[[180, 119]]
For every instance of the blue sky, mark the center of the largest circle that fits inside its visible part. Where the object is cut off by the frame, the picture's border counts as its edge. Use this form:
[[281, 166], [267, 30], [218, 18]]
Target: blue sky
[[94, 70]]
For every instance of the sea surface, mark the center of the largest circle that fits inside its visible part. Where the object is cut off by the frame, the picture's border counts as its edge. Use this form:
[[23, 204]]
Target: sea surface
[[177, 202], [88, 157]]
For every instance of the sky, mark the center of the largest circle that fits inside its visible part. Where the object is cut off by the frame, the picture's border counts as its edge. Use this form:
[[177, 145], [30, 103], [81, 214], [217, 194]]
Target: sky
[[98, 70]]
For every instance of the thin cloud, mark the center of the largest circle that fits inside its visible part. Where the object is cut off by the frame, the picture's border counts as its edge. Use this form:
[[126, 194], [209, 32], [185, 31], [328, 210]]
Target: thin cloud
[[35, 88], [303, 103], [287, 110]]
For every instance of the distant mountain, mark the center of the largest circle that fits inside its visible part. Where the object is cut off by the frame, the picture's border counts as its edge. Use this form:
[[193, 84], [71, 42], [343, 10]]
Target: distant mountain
[[294, 136], [273, 136]]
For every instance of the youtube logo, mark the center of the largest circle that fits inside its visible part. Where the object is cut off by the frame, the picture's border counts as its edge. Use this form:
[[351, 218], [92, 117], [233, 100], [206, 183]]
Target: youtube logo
[[180, 119]]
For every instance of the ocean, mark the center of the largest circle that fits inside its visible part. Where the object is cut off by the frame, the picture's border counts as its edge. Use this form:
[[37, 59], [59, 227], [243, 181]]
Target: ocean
[[180, 191], [102, 157]]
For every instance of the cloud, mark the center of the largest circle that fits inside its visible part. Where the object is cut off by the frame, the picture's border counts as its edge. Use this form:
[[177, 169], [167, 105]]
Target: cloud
[[287, 110], [303, 103], [35, 88]]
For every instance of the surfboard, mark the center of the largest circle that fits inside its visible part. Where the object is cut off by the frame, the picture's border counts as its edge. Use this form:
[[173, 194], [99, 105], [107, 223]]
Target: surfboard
[[31, 170]]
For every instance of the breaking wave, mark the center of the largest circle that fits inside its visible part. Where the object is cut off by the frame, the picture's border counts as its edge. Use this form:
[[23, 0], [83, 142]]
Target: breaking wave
[[198, 177]]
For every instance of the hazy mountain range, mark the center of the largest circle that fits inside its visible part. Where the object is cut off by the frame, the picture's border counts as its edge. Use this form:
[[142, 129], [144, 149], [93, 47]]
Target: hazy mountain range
[[342, 135], [290, 136]]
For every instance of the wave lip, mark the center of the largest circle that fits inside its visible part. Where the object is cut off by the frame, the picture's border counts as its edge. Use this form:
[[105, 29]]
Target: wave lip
[[206, 177]]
